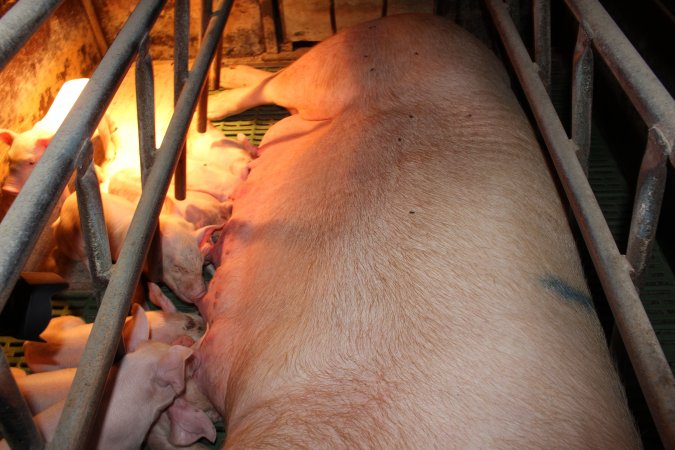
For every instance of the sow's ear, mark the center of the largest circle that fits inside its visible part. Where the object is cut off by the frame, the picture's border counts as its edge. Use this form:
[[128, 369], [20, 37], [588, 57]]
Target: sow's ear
[[7, 136], [189, 424], [136, 329], [171, 368]]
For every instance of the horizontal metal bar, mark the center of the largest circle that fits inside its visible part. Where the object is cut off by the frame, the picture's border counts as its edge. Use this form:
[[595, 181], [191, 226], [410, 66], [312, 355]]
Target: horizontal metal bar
[[651, 99], [38, 197], [20, 23], [645, 352], [80, 408]]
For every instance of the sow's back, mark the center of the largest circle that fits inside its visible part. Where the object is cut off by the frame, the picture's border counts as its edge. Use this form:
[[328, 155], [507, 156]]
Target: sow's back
[[398, 271]]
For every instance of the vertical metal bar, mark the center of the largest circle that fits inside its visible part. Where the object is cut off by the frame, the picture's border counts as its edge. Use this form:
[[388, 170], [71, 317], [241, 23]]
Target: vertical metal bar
[[214, 79], [145, 107], [95, 25], [647, 205], [92, 222], [207, 7], [646, 355], [541, 12], [181, 50], [582, 96], [16, 421], [80, 407], [20, 22], [269, 27]]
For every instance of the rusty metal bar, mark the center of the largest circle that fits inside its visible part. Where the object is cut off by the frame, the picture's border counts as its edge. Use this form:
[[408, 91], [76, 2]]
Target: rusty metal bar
[[541, 12], [181, 52], [20, 23], [214, 79], [651, 99], [643, 348], [80, 408], [145, 107], [16, 421], [95, 24], [92, 222], [647, 205], [582, 96], [207, 7], [269, 27]]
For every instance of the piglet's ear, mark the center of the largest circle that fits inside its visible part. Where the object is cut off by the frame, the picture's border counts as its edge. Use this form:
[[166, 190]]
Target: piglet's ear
[[136, 329], [203, 236], [171, 368], [41, 144], [189, 424], [160, 300], [7, 136]]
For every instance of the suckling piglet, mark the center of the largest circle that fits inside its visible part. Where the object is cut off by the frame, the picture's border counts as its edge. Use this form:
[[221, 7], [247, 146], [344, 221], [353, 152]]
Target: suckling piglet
[[146, 382], [198, 208], [183, 247], [64, 345]]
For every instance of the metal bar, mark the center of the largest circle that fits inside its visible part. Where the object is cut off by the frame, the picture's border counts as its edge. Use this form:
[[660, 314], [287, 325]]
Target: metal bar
[[582, 96], [181, 51], [19, 24], [207, 7], [38, 197], [145, 107], [645, 352], [648, 200], [541, 12], [92, 222], [652, 101], [76, 419], [95, 25], [269, 27], [214, 79], [16, 421]]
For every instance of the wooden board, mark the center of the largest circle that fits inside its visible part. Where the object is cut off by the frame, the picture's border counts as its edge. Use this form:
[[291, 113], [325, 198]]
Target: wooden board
[[409, 6], [352, 12], [305, 20]]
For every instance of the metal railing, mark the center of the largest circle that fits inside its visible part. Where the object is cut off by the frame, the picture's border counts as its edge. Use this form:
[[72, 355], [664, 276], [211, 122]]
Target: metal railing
[[619, 274], [20, 23], [70, 151]]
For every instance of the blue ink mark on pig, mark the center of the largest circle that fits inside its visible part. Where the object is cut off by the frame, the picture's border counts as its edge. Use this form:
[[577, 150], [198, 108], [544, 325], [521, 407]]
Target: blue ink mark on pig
[[567, 292]]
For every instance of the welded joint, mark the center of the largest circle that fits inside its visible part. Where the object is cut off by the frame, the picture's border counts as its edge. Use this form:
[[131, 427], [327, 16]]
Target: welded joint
[[582, 96], [648, 201]]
